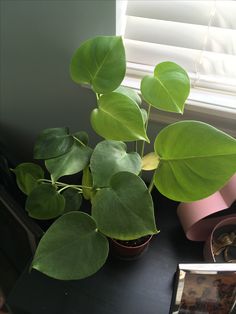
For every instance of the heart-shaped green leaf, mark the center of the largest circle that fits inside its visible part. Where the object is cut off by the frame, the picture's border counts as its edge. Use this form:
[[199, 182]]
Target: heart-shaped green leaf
[[196, 160], [75, 160], [119, 118], [71, 248], [124, 210], [110, 157], [27, 175], [52, 143], [73, 200], [134, 96], [168, 89], [100, 62], [44, 202], [130, 92]]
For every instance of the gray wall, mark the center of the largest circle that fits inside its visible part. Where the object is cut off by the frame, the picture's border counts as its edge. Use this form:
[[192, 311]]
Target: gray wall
[[38, 39]]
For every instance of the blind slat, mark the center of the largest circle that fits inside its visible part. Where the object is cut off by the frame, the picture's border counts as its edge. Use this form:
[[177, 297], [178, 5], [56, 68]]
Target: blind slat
[[190, 12], [198, 35], [214, 67], [181, 35]]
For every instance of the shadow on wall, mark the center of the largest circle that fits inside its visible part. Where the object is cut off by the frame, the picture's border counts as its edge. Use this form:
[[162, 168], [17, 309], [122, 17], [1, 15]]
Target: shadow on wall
[[72, 111], [37, 42]]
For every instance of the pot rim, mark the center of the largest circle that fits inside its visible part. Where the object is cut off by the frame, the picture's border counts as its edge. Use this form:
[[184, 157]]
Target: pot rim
[[133, 247]]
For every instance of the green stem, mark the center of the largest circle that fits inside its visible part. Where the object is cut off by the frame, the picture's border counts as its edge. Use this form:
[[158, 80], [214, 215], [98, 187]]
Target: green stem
[[151, 185], [76, 187], [52, 182], [66, 186], [146, 127], [98, 96], [75, 138], [44, 180], [142, 149]]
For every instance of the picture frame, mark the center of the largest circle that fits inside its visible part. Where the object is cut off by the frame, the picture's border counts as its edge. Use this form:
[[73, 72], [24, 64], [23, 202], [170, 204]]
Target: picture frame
[[205, 288]]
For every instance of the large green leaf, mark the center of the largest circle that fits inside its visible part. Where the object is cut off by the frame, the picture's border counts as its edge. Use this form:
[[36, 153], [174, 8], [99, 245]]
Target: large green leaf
[[196, 160], [75, 160], [72, 248], [168, 89], [110, 157], [100, 62], [44, 202], [27, 176], [119, 118], [52, 143], [130, 92], [135, 97], [124, 210]]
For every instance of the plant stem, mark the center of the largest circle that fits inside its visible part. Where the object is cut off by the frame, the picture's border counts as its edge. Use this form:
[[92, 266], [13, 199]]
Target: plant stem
[[151, 185], [64, 188], [52, 182], [75, 138], [98, 96], [146, 127], [44, 180], [76, 187]]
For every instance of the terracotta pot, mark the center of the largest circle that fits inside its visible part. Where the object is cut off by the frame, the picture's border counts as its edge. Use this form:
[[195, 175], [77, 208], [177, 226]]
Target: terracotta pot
[[128, 252]]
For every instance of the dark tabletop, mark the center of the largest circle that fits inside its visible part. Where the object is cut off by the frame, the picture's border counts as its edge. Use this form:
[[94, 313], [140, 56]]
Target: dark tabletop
[[143, 286]]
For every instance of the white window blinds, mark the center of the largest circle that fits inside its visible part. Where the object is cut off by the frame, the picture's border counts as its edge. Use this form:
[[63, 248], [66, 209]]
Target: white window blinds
[[198, 35]]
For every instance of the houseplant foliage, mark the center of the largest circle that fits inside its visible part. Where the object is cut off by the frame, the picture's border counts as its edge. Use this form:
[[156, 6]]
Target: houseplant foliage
[[189, 161]]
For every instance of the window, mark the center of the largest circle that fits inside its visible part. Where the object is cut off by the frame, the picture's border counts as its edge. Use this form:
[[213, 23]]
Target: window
[[198, 35]]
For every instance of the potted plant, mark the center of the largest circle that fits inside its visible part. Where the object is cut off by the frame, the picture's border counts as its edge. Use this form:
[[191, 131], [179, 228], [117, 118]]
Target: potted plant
[[189, 160]]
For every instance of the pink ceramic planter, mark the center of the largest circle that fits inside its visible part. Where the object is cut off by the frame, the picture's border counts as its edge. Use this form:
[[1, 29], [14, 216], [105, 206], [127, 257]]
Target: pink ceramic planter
[[194, 216]]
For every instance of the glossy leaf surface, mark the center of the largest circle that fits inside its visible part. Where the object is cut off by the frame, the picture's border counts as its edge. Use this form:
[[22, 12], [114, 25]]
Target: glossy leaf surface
[[71, 248], [130, 93], [124, 210], [168, 89], [119, 118], [196, 160], [75, 160], [110, 157], [44, 202], [27, 175], [52, 143], [100, 62]]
